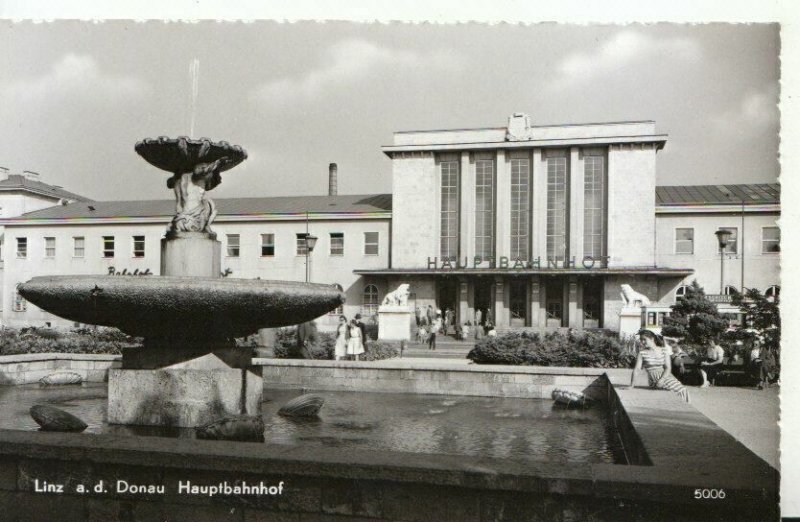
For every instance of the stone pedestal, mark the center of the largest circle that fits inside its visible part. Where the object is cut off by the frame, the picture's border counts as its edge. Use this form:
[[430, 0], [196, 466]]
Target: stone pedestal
[[394, 323], [630, 321], [266, 338], [187, 393], [190, 254]]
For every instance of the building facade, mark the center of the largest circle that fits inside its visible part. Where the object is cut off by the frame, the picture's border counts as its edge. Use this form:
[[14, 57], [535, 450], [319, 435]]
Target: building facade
[[528, 226]]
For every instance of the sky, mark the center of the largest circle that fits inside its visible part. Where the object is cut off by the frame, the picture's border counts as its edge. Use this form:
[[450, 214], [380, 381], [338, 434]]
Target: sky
[[76, 96]]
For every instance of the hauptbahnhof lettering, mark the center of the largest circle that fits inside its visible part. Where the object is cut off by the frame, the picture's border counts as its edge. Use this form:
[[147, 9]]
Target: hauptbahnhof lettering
[[538, 224]]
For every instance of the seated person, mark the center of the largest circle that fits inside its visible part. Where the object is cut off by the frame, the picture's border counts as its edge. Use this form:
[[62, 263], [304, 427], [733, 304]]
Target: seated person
[[760, 364], [712, 363], [677, 359]]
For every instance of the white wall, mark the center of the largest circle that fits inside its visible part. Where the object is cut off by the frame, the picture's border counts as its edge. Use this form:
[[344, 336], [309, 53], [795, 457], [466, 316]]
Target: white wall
[[284, 265], [760, 270]]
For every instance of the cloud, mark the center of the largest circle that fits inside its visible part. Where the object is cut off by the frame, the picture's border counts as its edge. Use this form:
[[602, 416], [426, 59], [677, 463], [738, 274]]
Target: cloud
[[74, 76], [347, 62], [618, 53], [756, 112]]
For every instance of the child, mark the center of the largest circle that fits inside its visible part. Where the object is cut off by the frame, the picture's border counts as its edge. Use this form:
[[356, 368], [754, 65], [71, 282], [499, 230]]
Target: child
[[422, 335]]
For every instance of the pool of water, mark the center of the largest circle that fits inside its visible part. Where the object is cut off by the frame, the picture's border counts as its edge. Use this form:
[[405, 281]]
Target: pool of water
[[483, 427]]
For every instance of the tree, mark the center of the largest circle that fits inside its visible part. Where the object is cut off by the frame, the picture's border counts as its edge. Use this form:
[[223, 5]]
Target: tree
[[694, 318], [761, 314]]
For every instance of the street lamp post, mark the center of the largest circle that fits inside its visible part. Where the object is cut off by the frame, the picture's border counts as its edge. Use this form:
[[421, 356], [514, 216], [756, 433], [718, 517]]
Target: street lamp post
[[310, 242], [723, 237]]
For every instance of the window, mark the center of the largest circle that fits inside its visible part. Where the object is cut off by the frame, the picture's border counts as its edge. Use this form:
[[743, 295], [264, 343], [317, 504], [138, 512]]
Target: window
[[484, 208], [370, 302], [684, 241], [337, 243], [267, 245], [681, 291], [22, 247], [520, 208], [138, 246], [49, 247], [233, 245], [302, 246], [108, 246], [593, 205], [773, 292], [732, 247], [370, 243], [557, 208], [20, 304], [78, 246], [449, 210], [730, 290], [770, 240]]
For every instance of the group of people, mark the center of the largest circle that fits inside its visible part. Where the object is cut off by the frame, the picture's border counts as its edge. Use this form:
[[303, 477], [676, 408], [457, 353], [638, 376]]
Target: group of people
[[431, 322], [350, 338], [665, 363]]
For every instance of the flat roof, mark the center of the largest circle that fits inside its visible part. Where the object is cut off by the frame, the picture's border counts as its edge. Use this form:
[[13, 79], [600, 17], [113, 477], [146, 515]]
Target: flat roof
[[747, 193]]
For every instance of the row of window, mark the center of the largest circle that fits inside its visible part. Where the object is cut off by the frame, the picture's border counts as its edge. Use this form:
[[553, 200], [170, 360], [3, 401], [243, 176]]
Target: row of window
[[770, 240], [771, 292], [79, 246], [370, 244], [557, 210], [233, 245]]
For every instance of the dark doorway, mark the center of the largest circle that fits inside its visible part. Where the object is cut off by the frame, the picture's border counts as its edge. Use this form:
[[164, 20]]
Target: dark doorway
[[593, 303], [447, 297], [555, 302], [483, 298], [518, 302]]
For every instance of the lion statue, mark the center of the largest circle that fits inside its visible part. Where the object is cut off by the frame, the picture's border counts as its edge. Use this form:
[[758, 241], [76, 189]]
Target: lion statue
[[398, 297], [631, 297]]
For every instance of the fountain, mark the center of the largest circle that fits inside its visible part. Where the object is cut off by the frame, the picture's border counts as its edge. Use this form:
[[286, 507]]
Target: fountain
[[189, 371]]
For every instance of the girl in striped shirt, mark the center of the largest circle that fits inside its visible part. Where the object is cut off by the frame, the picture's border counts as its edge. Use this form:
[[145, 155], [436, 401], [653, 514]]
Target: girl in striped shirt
[[653, 360]]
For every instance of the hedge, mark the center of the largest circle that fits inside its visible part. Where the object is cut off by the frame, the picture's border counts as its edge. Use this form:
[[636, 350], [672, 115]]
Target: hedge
[[573, 349]]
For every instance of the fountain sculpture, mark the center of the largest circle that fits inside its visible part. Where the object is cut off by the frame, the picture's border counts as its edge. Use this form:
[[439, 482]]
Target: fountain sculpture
[[189, 371]]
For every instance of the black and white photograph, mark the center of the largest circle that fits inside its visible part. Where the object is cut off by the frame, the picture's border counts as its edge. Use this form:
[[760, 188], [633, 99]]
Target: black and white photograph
[[359, 271]]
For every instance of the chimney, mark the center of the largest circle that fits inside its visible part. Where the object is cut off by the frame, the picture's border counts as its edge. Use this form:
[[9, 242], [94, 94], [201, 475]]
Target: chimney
[[333, 181]]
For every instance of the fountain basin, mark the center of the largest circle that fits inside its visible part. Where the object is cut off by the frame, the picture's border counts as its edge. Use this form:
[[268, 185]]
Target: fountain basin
[[185, 308], [181, 155]]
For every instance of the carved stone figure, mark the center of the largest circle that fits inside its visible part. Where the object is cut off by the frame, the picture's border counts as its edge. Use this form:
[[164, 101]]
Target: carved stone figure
[[398, 297], [244, 428], [53, 419], [631, 297], [519, 127], [304, 406], [194, 210]]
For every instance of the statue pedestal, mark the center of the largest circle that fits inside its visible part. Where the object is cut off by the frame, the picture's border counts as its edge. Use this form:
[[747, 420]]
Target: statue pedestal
[[630, 321], [186, 393], [394, 323], [190, 254]]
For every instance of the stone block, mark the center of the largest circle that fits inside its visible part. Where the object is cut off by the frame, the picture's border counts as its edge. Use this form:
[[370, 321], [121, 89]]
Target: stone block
[[182, 397], [394, 323], [189, 255]]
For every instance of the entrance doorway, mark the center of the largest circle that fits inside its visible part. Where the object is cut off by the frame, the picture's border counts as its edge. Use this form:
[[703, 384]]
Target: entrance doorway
[[447, 296], [483, 298], [518, 302], [593, 303], [555, 302]]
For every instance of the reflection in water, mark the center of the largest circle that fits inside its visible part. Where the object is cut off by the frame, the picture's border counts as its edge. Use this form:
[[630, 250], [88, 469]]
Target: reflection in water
[[477, 426]]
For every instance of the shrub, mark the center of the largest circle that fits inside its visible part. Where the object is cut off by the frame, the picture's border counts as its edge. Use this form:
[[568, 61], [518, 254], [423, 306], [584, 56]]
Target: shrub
[[694, 319], [286, 344], [379, 350], [47, 340], [574, 349]]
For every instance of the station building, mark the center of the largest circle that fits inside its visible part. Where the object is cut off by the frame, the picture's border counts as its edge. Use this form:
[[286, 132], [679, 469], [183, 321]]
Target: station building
[[537, 226]]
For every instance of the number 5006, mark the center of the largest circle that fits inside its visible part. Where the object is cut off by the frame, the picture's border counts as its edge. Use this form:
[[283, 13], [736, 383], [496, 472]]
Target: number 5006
[[709, 493]]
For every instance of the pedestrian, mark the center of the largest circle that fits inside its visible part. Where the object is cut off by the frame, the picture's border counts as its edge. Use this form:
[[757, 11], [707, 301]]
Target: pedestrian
[[363, 328], [430, 315], [448, 319], [342, 335], [355, 346], [418, 316], [435, 329]]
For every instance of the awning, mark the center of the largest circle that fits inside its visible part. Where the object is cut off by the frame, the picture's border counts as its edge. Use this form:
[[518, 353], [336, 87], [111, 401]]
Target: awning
[[637, 271]]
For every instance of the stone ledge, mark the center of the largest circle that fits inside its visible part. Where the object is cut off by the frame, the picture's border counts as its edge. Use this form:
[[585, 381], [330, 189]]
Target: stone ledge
[[57, 356]]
